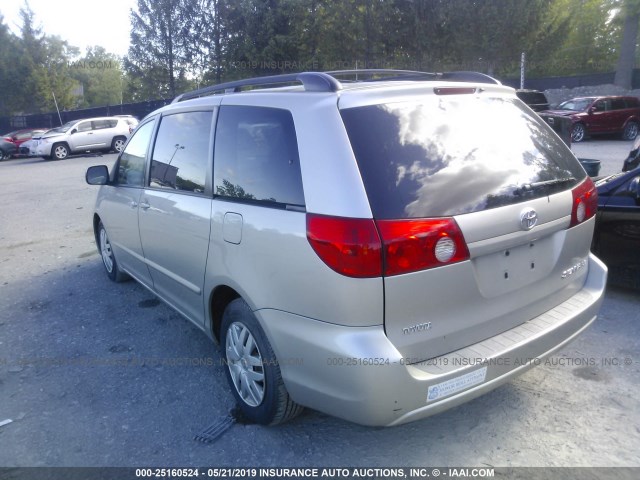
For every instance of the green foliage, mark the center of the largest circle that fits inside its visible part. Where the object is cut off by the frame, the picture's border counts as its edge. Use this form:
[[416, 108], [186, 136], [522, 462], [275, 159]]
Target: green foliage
[[101, 77], [591, 43], [10, 83], [160, 51], [42, 67], [261, 37], [35, 67], [177, 45]]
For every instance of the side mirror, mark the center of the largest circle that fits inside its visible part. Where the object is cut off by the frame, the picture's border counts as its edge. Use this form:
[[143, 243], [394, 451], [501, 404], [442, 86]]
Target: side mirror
[[591, 110], [97, 175], [73, 131]]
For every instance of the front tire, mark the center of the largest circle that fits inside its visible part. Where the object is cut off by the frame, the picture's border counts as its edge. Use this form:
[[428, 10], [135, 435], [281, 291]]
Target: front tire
[[252, 369], [630, 131], [3, 155], [60, 151], [108, 257]]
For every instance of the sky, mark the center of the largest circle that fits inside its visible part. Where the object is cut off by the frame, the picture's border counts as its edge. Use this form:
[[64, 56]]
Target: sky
[[81, 23]]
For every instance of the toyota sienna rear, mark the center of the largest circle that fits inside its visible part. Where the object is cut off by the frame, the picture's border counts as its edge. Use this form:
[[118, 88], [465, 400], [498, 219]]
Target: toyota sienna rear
[[379, 250]]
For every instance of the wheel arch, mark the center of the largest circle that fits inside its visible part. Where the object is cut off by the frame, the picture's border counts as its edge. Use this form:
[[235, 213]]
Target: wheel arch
[[62, 142], [96, 223], [219, 298]]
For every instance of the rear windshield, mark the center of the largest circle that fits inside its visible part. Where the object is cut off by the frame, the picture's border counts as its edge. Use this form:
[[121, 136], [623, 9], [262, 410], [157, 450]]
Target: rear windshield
[[452, 155]]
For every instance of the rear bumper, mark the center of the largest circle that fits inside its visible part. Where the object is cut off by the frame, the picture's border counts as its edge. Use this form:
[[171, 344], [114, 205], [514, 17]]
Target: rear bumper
[[357, 374]]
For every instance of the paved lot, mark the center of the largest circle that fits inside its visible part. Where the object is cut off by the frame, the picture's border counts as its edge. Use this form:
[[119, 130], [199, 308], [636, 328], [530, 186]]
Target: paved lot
[[611, 153], [98, 374]]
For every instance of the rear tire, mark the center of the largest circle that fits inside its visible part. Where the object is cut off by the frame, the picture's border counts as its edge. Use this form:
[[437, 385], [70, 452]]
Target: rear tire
[[3, 155], [578, 132], [630, 131], [252, 368]]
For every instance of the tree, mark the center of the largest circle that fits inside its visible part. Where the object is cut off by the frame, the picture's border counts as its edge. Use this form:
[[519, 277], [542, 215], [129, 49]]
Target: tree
[[42, 67], [496, 32], [10, 81], [262, 36], [101, 76], [590, 43], [630, 12], [158, 58]]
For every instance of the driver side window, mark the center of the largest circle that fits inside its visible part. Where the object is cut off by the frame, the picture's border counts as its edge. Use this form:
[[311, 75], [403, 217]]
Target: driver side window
[[84, 127], [132, 161]]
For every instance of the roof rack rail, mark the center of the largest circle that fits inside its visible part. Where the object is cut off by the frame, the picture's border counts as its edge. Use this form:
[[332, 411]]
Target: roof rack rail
[[375, 74], [328, 81], [464, 76], [312, 82]]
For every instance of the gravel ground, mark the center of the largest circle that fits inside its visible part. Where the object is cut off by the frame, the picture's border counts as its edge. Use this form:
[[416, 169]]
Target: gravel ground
[[98, 374]]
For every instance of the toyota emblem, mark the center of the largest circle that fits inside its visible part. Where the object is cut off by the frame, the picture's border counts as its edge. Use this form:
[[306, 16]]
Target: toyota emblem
[[528, 218]]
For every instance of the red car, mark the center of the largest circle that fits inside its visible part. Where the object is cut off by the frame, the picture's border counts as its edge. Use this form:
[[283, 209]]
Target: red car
[[598, 115], [18, 137]]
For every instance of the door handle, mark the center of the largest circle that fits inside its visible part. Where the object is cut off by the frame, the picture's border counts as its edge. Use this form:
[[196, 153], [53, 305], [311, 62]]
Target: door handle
[[133, 204], [145, 205]]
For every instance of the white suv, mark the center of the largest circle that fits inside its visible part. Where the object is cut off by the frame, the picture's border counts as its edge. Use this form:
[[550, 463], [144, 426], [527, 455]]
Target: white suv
[[102, 133], [379, 250]]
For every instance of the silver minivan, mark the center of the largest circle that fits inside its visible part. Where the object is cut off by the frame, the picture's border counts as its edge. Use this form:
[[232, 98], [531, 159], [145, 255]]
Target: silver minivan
[[379, 250]]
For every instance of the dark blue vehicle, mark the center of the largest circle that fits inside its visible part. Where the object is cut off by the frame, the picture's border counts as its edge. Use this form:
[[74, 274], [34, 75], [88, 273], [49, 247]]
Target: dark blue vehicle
[[633, 160], [616, 238]]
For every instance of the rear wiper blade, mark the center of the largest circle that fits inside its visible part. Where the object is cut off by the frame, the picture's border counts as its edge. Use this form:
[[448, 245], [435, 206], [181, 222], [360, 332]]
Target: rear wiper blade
[[530, 187]]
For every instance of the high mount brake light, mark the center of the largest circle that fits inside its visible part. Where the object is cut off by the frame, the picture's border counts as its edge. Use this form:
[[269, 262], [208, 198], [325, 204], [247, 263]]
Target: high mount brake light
[[453, 90]]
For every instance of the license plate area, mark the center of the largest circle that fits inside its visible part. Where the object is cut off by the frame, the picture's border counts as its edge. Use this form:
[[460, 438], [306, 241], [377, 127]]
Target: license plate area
[[515, 267]]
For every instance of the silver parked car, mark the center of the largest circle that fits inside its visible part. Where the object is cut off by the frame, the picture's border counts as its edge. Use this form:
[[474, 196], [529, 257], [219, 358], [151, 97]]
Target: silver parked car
[[379, 250], [103, 133]]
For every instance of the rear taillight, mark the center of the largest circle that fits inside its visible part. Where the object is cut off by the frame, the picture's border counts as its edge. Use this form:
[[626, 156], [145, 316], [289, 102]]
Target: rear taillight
[[353, 246], [350, 246], [585, 202], [411, 245]]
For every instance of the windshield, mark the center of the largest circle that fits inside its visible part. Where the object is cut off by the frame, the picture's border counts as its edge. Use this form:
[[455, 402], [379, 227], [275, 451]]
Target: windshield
[[442, 156], [576, 105], [64, 128]]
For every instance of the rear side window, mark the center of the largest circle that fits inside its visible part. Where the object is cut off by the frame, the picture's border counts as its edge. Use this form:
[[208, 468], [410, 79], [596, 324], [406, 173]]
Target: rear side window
[[132, 161], [256, 156], [443, 156], [181, 153], [618, 104]]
